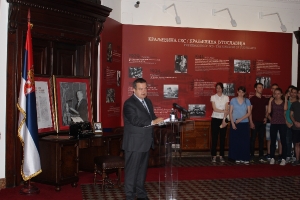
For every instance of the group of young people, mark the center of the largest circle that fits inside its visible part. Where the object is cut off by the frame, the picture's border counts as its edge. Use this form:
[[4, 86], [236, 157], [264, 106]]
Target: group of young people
[[277, 118]]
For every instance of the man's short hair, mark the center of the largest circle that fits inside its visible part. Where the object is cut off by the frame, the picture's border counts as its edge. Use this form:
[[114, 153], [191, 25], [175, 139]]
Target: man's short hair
[[79, 91], [256, 84], [274, 84], [139, 80], [294, 88], [291, 86]]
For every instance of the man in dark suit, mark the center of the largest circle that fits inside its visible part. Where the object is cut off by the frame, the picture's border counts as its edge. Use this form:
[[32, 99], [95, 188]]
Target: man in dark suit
[[81, 106], [138, 117]]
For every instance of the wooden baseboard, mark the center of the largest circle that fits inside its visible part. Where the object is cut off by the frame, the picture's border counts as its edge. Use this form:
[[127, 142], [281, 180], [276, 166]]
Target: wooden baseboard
[[2, 183]]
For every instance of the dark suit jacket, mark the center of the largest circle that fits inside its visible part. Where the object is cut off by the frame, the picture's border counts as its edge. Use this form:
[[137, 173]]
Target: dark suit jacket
[[137, 137], [82, 109]]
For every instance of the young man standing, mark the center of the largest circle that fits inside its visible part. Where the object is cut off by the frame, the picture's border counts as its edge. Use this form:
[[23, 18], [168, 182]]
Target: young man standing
[[292, 97], [258, 119], [295, 117]]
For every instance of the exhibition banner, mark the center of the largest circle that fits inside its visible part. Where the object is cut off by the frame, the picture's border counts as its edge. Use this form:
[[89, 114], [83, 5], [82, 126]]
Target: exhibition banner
[[182, 65]]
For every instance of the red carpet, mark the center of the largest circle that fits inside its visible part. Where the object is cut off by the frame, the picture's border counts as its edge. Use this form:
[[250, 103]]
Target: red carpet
[[47, 192]]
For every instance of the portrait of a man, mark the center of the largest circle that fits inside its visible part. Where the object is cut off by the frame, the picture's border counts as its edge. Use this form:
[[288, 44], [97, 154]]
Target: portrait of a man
[[81, 106], [73, 99], [97, 127], [180, 64]]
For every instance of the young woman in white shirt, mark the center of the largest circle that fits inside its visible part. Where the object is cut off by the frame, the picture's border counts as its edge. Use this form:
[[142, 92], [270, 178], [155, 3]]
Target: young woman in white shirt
[[218, 125]]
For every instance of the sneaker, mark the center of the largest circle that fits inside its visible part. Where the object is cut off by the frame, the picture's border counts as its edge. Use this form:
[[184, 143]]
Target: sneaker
[[288, 159], [295, 163], [282, 163], [214, 160], [268, 157], [242, 162], [246, 162], [262, 160], [222, 159], [252, 160], [272, 161], [237, 161]]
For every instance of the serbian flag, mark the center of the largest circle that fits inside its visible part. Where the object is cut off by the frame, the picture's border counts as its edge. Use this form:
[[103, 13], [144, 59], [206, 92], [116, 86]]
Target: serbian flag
[[27, 126]]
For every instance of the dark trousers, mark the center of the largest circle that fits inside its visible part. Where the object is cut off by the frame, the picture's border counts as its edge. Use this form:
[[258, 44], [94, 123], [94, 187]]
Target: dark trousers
[[259, 130], [289, 141], [215, 131], [136, 165], [282, 132]]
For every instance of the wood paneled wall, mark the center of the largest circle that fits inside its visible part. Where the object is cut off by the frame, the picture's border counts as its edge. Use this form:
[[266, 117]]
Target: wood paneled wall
[[65, 37]]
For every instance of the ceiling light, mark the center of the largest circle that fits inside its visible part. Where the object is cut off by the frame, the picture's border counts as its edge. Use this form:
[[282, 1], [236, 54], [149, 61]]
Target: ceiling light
[[282, 26], [177, 18], [232, 21]]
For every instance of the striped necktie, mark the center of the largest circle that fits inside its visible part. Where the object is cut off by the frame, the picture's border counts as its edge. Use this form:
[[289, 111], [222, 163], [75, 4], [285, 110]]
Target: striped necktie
[[144, 104]]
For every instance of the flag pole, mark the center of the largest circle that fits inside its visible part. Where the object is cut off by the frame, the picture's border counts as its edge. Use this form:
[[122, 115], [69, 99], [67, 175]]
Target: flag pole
[[28, 188]]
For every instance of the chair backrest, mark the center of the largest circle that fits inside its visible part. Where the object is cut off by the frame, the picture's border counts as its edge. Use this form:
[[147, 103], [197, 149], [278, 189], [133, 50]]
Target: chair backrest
[[114, 144]]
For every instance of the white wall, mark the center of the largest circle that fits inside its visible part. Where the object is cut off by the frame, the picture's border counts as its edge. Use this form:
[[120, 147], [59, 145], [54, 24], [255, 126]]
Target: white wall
[[3, 58], [198, 14], [116, 6]]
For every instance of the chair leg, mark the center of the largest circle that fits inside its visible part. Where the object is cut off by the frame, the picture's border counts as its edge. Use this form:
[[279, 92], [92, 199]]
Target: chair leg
[[119, 177], [95, 174], [103, 178]]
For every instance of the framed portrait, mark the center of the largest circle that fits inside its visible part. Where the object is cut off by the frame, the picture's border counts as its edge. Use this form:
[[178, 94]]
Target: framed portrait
[[44, 104], [72, 97], [97, 128]]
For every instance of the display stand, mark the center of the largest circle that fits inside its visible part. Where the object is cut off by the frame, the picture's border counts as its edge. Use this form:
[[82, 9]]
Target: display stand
[[168, 175]]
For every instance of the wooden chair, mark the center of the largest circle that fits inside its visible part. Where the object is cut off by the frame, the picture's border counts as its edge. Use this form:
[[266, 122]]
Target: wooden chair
[[111, 163]]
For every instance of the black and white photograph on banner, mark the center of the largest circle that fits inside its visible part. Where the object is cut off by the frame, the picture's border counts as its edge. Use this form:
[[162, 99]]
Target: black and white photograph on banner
[[197, 110], [180, 64], [242, 66], [265, 80], [109, 52], [228, 89], [135, 72], [110, 95], [170, 91], [118, 77]]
